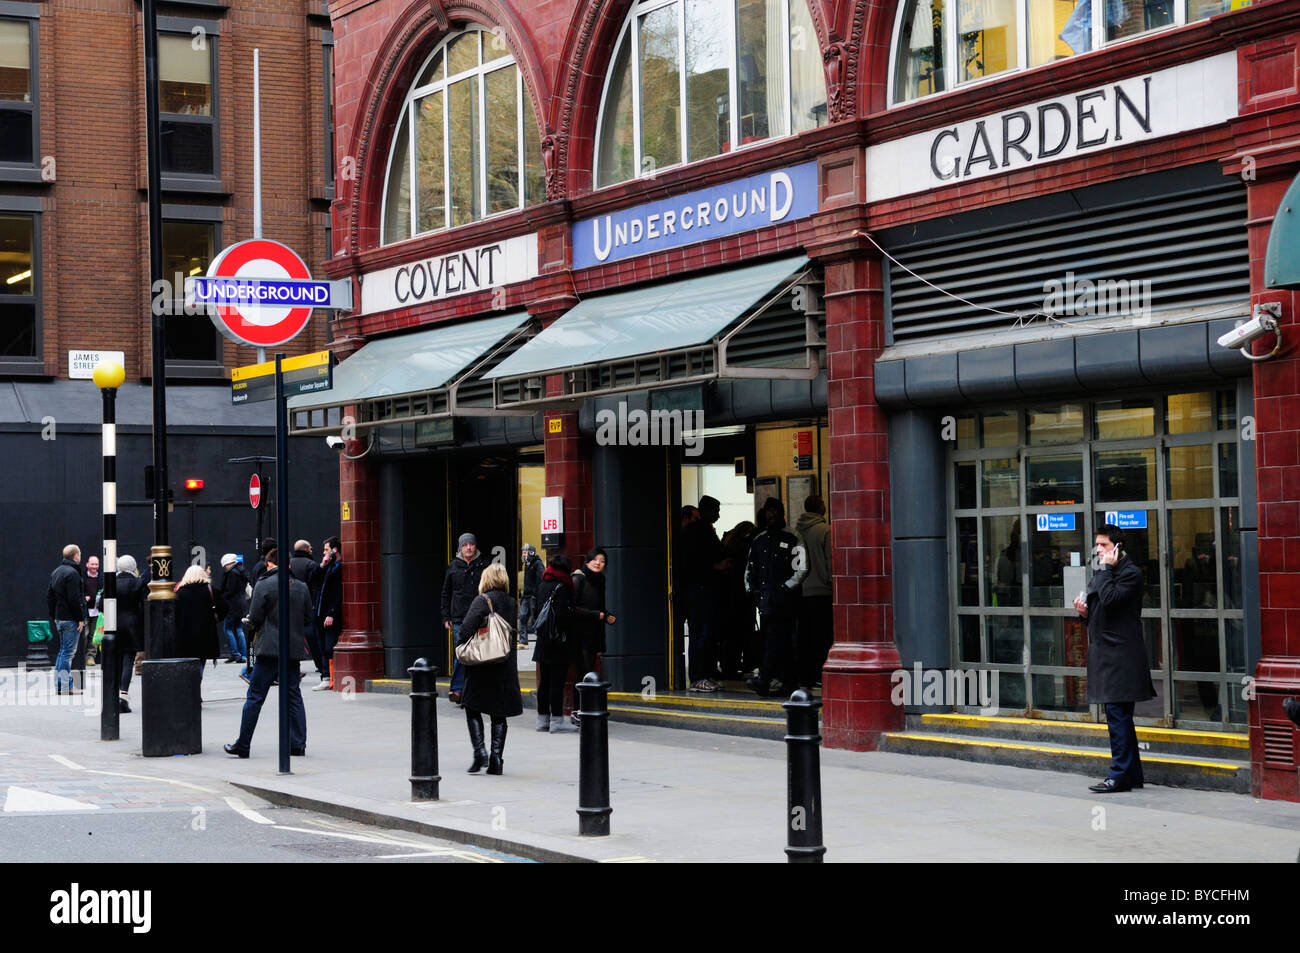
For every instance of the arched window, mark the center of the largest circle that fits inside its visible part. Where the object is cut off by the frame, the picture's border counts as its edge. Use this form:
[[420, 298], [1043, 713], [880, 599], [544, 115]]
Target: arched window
[[466, 143], [692, 79], [939, 44]]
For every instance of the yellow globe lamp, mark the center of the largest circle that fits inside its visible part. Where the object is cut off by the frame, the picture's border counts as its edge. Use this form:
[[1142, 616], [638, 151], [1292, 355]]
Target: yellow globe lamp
[[108, 375]]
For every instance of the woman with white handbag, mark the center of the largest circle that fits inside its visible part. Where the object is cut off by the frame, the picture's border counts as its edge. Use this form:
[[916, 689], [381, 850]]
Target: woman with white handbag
[[487, 650]]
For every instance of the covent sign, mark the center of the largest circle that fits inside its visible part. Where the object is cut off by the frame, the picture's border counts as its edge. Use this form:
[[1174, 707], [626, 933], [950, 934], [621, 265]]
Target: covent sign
[[446, 276]]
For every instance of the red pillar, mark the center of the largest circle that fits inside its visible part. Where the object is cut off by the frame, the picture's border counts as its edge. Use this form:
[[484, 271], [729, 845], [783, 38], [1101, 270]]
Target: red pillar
[[1268, 159], [359, 654], [856, 679]]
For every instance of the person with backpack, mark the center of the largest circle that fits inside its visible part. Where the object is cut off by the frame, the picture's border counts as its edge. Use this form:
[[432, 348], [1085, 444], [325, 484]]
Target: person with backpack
[[491, 688], [554, 646]]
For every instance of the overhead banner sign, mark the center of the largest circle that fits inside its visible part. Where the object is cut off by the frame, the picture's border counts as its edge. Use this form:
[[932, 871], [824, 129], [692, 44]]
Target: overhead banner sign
[[446, 276], [1148, 106], [770, 198]]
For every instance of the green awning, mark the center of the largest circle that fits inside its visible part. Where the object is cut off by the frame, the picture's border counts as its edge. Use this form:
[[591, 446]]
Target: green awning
[[662, 317], [1282, 258], [411, 363]]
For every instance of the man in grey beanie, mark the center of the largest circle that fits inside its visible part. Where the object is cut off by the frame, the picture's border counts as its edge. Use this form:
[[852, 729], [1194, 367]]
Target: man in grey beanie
[[459, 587]]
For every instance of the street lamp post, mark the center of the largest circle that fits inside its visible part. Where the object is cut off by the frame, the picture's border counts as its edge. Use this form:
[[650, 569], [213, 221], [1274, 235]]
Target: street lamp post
[[108, 377], [162, 605]]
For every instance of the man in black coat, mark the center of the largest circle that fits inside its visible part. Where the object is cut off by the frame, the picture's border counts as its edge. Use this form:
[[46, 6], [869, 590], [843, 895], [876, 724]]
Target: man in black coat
[[303, 567], [704, 568], [459, 589], [774, 573], [1119, 673], [264, 616], [329, 607], [532, 568], [67, 611]]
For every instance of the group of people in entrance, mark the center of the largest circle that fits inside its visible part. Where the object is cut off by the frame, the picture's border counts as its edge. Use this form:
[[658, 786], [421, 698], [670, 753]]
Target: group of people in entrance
[[782, 576]]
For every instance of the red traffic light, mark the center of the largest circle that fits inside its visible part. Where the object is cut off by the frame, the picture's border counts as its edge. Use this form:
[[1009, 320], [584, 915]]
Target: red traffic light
[[192, 484]]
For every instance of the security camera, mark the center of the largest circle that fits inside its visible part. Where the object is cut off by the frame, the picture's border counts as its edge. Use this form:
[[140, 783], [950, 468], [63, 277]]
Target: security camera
[[1243, 334], [335, 443]]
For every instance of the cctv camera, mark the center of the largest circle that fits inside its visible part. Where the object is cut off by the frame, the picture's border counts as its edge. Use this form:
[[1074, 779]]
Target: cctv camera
[[334, 443], [1243, 334]]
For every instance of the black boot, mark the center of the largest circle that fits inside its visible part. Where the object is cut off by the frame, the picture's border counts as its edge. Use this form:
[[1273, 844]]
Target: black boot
[[498, 746], [475, 722]]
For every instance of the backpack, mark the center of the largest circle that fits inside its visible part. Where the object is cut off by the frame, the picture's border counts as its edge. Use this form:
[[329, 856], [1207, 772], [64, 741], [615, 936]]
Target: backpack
[[544, 627]]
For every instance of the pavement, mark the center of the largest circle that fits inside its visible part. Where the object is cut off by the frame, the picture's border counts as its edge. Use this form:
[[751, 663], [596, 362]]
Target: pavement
[[677, 796]]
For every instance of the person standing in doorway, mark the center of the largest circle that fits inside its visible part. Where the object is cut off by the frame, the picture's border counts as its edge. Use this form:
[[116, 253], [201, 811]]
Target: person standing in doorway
[[704, 575], [813, 641], [533, 568], [772, 575], [590, 616], [1119, 672], [67, 611], [329, 607], [459, 589]]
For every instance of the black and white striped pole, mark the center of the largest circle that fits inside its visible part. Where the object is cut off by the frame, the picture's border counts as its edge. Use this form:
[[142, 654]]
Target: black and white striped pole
[[108, 377]]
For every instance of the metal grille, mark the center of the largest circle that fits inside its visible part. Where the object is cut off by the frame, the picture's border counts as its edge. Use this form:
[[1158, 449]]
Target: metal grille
[[779, 336], [1279, 749], [1191, 247]]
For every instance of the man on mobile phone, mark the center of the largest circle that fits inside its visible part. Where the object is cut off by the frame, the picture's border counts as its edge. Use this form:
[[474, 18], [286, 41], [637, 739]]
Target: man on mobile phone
[[1119, 673]]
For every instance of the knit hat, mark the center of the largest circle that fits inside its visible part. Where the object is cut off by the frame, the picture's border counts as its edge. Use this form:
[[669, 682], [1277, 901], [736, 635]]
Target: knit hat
[[530, 549], [229, 558], [466, 538], [126, 564]]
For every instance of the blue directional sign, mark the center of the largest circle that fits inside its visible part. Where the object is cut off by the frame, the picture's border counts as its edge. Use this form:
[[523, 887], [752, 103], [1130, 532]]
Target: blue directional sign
[[1127, 519], [1055, 522]]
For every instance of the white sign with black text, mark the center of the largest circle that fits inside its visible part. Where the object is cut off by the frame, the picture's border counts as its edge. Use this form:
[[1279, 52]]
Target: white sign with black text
[[446, 276], [81, 364], [1148, 106]]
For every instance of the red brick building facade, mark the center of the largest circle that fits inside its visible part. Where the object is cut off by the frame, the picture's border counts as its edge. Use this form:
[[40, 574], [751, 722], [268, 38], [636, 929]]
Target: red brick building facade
[[910, 155]]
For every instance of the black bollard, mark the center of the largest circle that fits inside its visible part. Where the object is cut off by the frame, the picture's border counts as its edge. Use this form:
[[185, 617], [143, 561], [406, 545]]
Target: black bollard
[[424, 732], [593, 757], [170, 712], [803, 780], [109, 713]]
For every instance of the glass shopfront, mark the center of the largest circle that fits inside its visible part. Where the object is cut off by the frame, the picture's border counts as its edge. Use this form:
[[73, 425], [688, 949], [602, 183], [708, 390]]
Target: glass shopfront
[[1028, 488]]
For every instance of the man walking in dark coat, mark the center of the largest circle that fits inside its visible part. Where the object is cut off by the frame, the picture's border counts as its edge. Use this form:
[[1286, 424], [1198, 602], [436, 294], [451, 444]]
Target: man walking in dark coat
[[264, 616], [459, 589], [1119, 673]]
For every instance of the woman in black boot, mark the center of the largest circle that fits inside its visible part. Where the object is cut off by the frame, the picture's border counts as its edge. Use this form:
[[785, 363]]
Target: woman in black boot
[[491, 688]]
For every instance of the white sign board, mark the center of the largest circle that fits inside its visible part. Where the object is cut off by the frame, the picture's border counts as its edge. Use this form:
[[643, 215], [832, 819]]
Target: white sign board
[[446, 276], [1148, 106], [552, 514], [81, 364]]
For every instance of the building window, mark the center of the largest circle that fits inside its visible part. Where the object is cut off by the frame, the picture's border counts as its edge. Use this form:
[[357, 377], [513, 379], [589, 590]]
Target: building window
[[984, 38], [187, 104], [18, 120], [466, 145], [327, 67], [18, 286], [692, 79], [188, 249], [1029, 489]]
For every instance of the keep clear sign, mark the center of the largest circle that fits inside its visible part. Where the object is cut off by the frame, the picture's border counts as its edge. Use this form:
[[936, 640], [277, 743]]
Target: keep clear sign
[[1127, 519], [1055, 522]]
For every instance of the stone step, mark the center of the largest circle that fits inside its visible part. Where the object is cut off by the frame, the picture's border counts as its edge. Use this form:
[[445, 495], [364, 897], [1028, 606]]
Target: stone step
[[1183, 771]]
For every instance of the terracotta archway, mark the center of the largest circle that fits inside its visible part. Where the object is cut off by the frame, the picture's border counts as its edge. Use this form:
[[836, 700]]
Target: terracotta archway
[[414, 32]]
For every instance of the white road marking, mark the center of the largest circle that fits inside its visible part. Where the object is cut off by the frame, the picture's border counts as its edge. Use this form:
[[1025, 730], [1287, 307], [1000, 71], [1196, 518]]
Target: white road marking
[[423, 853], [149, 777], [357, 837], [240, 807], [25, 799], [67, 763]]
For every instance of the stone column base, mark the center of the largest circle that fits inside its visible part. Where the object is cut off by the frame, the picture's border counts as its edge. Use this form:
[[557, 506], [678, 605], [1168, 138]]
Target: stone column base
[[358, 657], [1273, 760], [856, 687]]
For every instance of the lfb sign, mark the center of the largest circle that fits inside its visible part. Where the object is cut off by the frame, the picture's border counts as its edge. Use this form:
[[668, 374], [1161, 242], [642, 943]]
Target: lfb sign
[[552, 514]]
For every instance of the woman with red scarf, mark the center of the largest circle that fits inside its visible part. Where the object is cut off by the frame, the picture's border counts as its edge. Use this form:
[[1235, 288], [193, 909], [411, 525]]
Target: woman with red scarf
[[557, 647]]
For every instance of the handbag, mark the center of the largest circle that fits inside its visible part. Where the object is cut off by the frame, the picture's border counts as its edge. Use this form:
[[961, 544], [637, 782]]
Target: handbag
[[491, 643], [544, 625]]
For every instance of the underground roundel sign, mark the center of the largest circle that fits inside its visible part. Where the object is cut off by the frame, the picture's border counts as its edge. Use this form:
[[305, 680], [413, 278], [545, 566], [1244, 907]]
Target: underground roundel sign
[[270, 289]]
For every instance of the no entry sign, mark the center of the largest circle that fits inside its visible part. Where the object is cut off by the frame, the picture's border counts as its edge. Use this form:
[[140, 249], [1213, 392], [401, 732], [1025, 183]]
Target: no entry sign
[[254, 491], [262, 293]]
